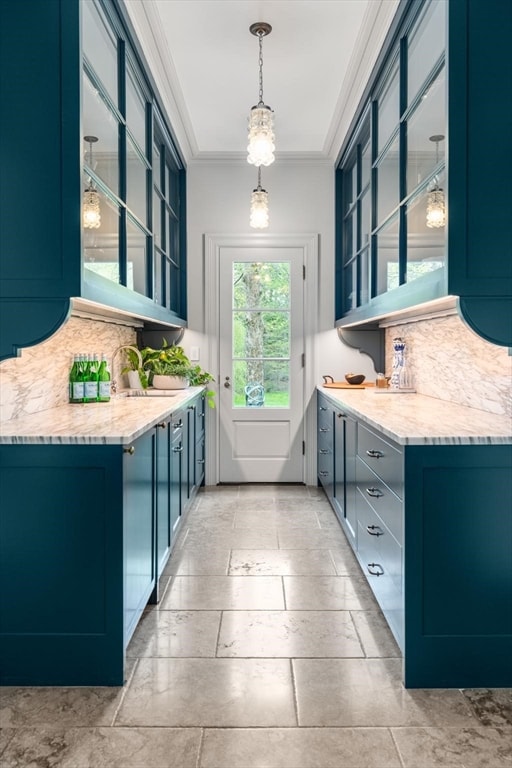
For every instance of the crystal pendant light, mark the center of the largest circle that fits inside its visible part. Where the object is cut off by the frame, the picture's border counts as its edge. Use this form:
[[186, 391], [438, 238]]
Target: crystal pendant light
[[91, 214], [259, 206], [436, 205], [261, 120]]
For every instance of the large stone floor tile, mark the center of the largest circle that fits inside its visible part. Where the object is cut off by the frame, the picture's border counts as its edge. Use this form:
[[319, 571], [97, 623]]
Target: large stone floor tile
[[345, 562], [299, 748], [454, 747], [311, 538], [290, 634], [175, 634], [230, 539], [327, 593], [369, 692], [375, 635], [305, 562], [282, 519], [491, 706], [298, 505], [223, 593], [198, 562], [103, 748], [210, 693], [44, 706]]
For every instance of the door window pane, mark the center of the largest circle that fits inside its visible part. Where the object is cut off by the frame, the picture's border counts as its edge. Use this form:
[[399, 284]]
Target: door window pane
[[388, 181], [173, 293], [100, 47], [350, 286], [258, 383], [349, 233], [101, 245], [157, 219], [158, 293], [387, 257], [99, 121], [364, 287], [157, 170], [426, 246], [173, 244], [427, 121], [366, 212], [426, 44], [366, 165], [136, 249], [135, 183], [261, 285], [261, 334], [388, 108]]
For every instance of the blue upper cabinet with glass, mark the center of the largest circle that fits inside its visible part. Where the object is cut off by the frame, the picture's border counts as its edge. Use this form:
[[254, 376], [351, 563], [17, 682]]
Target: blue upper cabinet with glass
[[93, 186], [422, 191]]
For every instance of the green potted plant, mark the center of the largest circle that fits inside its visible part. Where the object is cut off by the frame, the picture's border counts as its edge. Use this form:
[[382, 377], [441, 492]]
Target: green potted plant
[[137, 376], [170, 368]]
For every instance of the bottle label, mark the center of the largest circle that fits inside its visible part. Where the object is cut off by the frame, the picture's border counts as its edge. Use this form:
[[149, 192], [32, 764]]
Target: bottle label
[[78, 390], [91, 390], [104, 389]]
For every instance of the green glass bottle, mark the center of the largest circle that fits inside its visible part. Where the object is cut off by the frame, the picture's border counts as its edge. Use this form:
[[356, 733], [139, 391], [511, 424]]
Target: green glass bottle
[[91, 379], [78, 383], [73, 373], [104, 381]]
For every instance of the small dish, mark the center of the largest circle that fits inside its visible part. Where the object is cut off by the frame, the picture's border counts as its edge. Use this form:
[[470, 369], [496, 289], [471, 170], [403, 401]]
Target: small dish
[[355, 378]]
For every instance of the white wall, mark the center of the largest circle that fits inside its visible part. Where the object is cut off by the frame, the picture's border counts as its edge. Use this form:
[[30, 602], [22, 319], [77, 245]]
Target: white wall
[[301, 201]]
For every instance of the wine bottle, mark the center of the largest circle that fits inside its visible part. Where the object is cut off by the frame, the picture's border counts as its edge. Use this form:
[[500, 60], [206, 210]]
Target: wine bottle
[[78, 383], [73, 373], [91, 379], [103, 381]]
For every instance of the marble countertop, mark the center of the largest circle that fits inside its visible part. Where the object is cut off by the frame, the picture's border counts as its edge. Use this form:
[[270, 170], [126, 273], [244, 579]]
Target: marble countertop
[[120, 421], [413, 419]]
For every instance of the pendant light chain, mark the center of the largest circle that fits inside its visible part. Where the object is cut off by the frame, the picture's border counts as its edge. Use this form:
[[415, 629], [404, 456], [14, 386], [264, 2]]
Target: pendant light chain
[[260, 62]]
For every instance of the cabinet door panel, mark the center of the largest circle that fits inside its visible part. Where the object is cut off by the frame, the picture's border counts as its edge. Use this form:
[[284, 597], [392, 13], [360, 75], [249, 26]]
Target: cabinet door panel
[[163, 527], [139, 567]]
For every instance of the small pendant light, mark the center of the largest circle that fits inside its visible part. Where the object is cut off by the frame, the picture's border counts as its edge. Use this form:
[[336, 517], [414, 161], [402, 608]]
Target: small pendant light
[[261, 119], [436, 206], [91, 214], [259, 206]]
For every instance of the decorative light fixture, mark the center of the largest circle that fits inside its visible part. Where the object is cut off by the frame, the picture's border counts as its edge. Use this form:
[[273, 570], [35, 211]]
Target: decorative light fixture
[[436, 207], [261, 120], [91, 215], [259, 206]]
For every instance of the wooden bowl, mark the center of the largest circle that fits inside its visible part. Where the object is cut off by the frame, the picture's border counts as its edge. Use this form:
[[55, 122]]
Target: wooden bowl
[[355, 378]]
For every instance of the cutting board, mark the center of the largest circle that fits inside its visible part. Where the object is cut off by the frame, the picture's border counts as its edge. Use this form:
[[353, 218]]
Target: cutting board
[[346, 385]]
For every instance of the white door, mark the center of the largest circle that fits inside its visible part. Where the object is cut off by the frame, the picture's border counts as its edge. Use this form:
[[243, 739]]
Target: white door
[[261, 349]]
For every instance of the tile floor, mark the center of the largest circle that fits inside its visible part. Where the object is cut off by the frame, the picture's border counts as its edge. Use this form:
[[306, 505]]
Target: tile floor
[[267, 650]]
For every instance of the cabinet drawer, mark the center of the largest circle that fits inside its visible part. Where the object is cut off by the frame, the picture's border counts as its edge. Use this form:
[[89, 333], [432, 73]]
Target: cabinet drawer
[[385, 459], [384, 502], [200, 417], [376, 541], [324, 418]]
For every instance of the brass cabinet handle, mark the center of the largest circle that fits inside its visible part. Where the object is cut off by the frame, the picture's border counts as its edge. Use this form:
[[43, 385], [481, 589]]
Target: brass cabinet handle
[[375, 454], [342, 415], [375, 565], [374, 493], [374, 530], [130, 450], [162, 425]]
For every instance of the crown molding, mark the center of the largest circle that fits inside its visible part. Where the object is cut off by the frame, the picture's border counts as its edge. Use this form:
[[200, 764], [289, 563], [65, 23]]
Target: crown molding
[[378, 18], [240, 158]]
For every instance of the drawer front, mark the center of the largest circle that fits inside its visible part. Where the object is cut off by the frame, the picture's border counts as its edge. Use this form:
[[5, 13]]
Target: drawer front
[[383, 458], [325, 467], [200, 416], [374, 537], [324, 417], [387, 506]]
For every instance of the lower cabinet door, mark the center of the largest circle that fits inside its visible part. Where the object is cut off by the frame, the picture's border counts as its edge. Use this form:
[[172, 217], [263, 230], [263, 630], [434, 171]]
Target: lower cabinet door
[[138, 533], [162, 496], [176, 475]]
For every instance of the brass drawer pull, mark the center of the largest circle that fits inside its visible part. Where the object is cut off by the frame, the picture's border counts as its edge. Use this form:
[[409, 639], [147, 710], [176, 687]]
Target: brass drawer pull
[[374, 493], [130, 450], [374, 530], [375, 573], [375, 454], [162, 425]]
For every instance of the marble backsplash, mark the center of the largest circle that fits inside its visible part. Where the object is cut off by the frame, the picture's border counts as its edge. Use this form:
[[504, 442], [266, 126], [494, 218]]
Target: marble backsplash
[[449, 361], [38, 379]]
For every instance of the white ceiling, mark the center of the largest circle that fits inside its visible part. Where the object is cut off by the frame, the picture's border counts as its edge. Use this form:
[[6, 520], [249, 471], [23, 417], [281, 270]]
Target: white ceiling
[[317, 60]]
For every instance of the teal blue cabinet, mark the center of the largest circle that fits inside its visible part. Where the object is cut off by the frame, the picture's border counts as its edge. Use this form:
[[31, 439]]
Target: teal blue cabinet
[[176, 473], [49, 80], [139, 524], [434, 541], [421, 211]]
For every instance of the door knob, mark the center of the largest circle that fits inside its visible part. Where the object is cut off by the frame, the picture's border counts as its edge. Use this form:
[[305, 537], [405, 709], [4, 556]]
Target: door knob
[[226, 383]]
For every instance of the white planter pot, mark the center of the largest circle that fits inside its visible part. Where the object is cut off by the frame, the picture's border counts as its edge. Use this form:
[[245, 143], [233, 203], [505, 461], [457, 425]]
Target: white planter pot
[[169, 382]]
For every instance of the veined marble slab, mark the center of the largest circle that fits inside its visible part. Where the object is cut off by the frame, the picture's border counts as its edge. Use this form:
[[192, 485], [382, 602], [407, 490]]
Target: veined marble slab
[[120, 421], [413, 419]]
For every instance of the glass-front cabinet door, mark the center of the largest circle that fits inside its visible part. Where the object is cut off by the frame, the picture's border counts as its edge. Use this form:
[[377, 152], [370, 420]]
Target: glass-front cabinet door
[[133, 207], [391, 199]]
